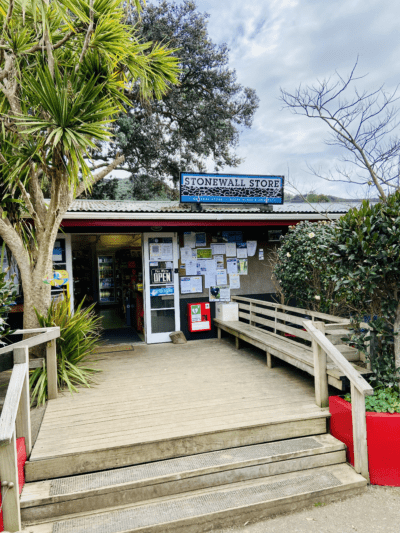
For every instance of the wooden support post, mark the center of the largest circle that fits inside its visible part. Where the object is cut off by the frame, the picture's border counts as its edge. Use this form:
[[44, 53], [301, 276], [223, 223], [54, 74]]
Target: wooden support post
[[10, 496], [23, 420], [276, 310], [320, 375], [251, 315], [359, 432], [237, 343], [219, 333], [51, 364], [270, 362]]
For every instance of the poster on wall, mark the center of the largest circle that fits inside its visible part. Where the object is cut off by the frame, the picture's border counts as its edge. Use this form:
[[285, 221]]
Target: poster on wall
[[243, 267], [234, 281], [251, 248], [186, 254], [220, 293], [191, 285], [189, 239], [218, 249], [230, 248], [232, 266], [222, 278], [241, 250], [204, 253], [201, 239]]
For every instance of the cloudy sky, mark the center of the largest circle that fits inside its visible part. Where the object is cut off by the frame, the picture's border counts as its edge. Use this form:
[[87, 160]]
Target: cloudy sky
[[282, 43]]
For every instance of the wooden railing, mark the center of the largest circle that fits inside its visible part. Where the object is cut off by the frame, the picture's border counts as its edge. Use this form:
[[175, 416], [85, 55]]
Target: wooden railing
[[322, 348], [15, 421]]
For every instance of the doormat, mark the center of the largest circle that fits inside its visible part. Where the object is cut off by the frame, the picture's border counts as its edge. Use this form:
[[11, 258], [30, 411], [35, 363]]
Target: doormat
[[120, 336]]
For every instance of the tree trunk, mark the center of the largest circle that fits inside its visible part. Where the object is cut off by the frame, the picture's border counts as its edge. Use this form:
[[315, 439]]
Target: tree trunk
[[37, 295], [396, 329]]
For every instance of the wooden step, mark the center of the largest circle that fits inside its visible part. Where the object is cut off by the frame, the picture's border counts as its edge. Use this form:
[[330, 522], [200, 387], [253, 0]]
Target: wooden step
[[109, 456], [45, 500], [218, 506]]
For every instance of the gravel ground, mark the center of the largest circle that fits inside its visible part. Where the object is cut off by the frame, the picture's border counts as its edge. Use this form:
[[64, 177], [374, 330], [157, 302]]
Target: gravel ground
[[376, 510]]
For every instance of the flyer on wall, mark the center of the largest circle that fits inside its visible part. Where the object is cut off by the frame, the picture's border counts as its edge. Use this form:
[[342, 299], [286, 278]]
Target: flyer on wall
[[243, 267], [220, 293]]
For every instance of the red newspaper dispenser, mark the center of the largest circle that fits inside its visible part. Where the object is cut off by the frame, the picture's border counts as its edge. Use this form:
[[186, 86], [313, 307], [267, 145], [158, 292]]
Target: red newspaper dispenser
[[199, 317]]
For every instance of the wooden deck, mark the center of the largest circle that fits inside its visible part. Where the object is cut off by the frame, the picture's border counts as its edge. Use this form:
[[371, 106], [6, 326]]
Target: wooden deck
[[159, 401]]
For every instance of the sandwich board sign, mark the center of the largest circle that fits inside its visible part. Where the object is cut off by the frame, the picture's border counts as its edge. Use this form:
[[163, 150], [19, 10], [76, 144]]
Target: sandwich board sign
[[230, 189]]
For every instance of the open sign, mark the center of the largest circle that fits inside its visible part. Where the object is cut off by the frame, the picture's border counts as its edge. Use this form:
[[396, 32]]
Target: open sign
[[160, 275]]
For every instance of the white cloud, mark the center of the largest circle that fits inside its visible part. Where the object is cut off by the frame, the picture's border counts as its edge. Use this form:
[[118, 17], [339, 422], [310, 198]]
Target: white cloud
[[282, 43]]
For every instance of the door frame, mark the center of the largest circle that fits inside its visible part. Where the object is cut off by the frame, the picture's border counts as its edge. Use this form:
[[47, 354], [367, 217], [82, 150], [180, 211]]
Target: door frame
[[152, 338]]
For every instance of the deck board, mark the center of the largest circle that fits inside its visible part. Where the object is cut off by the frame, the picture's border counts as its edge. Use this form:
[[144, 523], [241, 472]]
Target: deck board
[[170, 391]]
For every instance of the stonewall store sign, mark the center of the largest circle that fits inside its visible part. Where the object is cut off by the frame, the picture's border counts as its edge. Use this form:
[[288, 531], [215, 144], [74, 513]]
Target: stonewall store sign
[[230, 189]]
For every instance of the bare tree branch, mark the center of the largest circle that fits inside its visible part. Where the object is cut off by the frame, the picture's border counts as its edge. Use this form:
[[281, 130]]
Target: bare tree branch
[[362, 126]]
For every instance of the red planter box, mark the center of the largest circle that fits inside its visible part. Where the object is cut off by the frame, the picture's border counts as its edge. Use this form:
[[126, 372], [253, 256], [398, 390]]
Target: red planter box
[[21, 459], [383, 440]]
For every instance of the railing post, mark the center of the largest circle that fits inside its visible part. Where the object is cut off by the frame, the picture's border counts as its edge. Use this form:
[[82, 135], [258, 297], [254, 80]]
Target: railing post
[[359, 432], [10, 492], [251, 315], [23, 420], [51, 365], [320, 375]]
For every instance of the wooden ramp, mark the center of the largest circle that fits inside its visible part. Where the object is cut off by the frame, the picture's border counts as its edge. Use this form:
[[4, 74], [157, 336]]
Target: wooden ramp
[[182, 438], [162, 401]]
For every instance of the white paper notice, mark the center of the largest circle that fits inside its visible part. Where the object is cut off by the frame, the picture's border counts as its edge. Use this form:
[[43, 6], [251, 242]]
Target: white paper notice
[[169, 265], [197, 284], [230, 248], [201, 266], [191, 285], [209, 279], [219, 261], [234, 281], [231, 265], [185, 285], [218, 249], [251, 248], [221, 277], [189, 239], [241, 253], [155, 252], [167, 251], [191, 268], [186, 254], [211, 266]]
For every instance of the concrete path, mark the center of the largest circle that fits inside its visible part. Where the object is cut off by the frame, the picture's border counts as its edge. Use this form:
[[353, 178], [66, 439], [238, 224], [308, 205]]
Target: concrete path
[[375, 511]]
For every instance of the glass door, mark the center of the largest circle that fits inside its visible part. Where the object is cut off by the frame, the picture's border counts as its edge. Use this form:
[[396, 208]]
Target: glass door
[[161, 286]]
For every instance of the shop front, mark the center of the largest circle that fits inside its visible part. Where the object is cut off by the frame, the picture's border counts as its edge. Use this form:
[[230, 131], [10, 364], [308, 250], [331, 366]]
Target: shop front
[[143, 263]]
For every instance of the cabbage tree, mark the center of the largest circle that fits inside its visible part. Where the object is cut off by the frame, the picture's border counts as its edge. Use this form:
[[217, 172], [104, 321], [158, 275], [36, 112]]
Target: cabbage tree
[[66, 67]]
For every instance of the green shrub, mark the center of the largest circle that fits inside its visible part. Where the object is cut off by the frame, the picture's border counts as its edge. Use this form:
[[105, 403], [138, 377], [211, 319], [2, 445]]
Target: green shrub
[[367, 251], [79, 337], [8, 293], [382, 401], [304, 268]]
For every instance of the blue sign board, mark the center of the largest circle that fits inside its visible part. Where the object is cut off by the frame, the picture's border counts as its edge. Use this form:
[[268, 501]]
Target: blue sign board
[[230, 189], [161, 291]]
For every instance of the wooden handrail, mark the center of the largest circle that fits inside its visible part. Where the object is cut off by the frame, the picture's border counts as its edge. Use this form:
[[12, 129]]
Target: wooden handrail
[[11, 403], [45, 335], [359, 389], [15, 419], [350, 372], [315, 314]]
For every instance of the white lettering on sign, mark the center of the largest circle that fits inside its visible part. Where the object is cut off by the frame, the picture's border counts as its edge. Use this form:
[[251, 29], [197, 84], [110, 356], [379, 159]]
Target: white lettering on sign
[[262, 183], [161, 276]]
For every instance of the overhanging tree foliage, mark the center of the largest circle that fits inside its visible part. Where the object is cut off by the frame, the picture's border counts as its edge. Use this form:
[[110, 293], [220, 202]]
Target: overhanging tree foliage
[[198, 120], [65, 68]]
